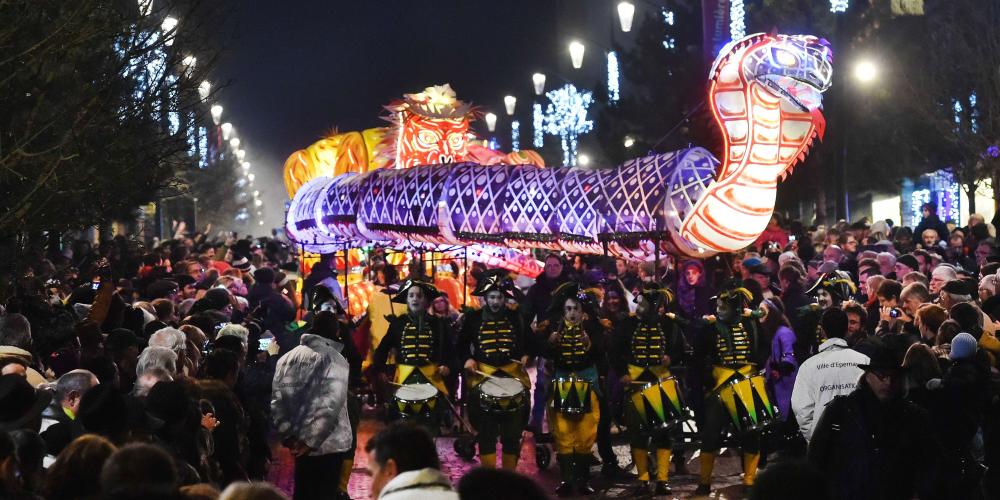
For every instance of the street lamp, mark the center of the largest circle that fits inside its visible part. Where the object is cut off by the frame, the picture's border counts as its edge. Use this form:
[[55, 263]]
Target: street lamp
[[258, 203], [539, 80], [245, 165], [865, 71], [240, 154], [583, 160], [189, 62], [576, 50], [227, 130], [204, 89], [509, 102], [234, 143], [625, 12], [168, 26], [491, 122], [251, 177], [629, 141], [216, 114]]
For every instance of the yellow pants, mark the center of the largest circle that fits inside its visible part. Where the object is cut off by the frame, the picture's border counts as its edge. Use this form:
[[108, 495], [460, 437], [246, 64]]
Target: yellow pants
[[575, 433]]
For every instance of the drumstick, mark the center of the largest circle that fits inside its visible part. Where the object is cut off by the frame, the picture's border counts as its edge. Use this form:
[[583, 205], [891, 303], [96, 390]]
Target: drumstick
[[487, 375]]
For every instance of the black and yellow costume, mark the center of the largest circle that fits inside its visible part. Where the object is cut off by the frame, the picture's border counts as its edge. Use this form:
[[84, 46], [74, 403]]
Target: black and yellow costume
[[640, 347], [421, 345], [496, 342], [732, 339], [576, 355]]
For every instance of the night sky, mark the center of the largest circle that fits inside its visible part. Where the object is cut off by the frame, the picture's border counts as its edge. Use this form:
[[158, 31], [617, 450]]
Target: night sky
[[298, 69]]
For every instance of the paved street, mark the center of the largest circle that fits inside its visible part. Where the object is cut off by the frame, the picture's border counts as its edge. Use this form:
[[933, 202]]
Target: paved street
[[727, 470]]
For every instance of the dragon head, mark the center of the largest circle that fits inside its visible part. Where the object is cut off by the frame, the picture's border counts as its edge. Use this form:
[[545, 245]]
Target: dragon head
[[796, 68]]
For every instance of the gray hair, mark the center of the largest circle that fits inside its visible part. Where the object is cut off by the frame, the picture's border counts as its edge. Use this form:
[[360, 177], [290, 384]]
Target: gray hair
[[168, 337], [15, 330], [147, 379], [236, 331], [78, 381], [157, 357], [254, 490], [945, 272], [886, 256]]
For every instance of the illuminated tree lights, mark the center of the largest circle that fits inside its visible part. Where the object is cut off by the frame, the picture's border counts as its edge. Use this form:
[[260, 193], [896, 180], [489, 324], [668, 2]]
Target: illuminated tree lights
[[537, 125], [838, 6], [614, 78], [737, 20], [515, 135], [566, 117]]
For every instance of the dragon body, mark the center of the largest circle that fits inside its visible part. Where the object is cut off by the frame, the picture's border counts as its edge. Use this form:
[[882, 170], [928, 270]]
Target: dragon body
[[766, 95]]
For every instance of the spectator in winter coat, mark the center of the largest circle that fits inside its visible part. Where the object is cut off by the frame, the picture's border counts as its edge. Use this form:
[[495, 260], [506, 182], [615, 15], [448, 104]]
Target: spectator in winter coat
[[781, 366], [404, 465], [309, 410], [831, 372], [872, 443], [931, 221]]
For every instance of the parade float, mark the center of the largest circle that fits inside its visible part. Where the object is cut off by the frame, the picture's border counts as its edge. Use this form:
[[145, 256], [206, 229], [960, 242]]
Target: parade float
[[424, 183]]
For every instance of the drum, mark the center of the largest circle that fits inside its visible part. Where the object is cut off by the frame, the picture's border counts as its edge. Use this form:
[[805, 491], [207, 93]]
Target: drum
[[571, 396], [416, 400], [500, 395], [747, 402], [660, 405]]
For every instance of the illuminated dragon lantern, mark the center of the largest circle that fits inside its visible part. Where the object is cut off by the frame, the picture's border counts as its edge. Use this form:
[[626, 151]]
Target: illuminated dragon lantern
[[427, 128], [766, 95]]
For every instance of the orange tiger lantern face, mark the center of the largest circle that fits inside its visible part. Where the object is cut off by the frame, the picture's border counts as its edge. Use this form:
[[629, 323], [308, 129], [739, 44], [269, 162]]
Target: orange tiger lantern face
[[429, 141]]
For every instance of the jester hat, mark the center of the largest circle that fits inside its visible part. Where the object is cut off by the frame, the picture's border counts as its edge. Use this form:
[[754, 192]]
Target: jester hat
[[838, 283], [735, 293], [499, 280], [587, 297], [657, 295], [399, 296]]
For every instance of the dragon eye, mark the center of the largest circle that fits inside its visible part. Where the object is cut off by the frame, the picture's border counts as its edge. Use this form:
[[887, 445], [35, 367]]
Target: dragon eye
[[427, 137], [785, 58]]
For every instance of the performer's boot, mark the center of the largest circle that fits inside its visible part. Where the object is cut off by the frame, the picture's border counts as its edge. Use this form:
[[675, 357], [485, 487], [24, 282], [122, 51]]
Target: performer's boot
[[750, 461], [705, 474], [345, 476], [662, 471], [641, 460], [509, 460], [488, 460], [565, 487], [583, 475]]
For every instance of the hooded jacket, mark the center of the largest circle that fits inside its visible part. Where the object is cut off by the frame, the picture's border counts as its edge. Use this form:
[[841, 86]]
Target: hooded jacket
[[309, 395], [422, 484], [831, 372]]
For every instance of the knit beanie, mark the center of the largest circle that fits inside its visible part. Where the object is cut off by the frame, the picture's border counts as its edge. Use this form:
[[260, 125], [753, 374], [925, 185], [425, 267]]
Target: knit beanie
[[963, 346]]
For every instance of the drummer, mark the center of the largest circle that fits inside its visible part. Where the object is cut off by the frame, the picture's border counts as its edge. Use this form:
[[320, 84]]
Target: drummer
[[419, 340], [572, 339], [492, 345], [732, 339], [645, 345]]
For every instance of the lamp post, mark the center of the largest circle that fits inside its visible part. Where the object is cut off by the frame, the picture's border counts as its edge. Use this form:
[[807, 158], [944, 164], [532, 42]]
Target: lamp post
[[576, 50], [509, 102], [168, 26], [204, 89], [227, 130], [538, 79], [216, 114], [626, 10], [491, 122]]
